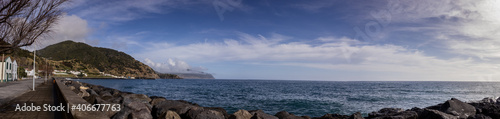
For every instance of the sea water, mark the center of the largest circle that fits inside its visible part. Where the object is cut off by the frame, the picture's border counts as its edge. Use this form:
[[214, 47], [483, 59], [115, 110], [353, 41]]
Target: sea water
[[311, 98]]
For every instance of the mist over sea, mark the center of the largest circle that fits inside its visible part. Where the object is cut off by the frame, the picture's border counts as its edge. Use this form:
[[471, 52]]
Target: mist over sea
[[312, 98]]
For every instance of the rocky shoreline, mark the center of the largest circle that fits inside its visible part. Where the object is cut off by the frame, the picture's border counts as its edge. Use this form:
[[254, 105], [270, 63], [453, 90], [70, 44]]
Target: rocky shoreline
[[140, 106]]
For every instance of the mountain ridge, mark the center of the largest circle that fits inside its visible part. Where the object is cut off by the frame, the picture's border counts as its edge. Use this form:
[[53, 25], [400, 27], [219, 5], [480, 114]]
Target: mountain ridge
[[105, 60]]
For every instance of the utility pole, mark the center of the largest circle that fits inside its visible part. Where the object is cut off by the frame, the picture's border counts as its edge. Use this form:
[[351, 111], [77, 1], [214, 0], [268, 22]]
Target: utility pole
[[34, 71], [3, 62]]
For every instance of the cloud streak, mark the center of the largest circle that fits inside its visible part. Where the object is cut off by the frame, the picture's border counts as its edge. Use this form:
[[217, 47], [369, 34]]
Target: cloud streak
[[126, 10]]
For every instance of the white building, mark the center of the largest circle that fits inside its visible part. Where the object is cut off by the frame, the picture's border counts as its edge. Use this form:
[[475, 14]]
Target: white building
[[6, 70]]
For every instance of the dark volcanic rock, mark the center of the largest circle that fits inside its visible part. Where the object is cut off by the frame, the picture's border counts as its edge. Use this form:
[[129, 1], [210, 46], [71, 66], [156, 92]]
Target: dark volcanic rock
[[136, 97], [155, 100], [385, 112], [394, 113], [435, 114], [458, 108], [135, 106], [333, 116], [91, 99], [105, 94], [177, 106], [488, 109], [286, 115], [356, 115], [134, 110], [259, 114], [479, 116]]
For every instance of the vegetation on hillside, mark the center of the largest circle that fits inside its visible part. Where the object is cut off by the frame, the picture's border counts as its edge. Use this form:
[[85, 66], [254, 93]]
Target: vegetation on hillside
[[95, 60]]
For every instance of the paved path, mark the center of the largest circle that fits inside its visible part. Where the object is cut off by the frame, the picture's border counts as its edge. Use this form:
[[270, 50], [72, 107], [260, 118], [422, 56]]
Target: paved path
[[43, 94], [11, 90], [21, 90]]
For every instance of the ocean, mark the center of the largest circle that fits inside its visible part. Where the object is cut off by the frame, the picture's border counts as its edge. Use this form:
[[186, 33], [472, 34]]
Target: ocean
[[311, 98]]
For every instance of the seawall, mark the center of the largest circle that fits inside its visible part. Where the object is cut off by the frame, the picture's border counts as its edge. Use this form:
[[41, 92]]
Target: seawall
[[67, 96], [153, 107]]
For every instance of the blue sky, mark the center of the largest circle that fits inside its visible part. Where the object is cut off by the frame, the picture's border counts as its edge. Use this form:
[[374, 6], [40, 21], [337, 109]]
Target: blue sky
[[338, 40]]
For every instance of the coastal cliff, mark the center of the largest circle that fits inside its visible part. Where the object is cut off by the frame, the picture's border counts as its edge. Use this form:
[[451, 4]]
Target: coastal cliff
[[153, 107]]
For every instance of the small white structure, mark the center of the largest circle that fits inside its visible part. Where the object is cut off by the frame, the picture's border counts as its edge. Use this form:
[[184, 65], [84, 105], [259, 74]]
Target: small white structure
[[29, 72], [59, 72], [14, 70], [6, 70]]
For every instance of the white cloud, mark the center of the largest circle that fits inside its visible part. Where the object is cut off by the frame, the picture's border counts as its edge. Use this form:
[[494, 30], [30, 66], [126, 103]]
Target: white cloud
[[333, 55], [173, 66], [464, 27], [69, 27]]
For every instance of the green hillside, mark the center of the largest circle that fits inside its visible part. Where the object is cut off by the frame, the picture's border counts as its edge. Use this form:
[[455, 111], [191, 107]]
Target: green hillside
[[103, 59]]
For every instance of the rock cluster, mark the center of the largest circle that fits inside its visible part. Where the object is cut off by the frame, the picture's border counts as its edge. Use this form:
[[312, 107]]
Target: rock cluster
[[140, 106]]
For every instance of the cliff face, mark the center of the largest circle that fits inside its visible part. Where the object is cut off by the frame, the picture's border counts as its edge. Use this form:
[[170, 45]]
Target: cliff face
[[195, 75], [96, 60]]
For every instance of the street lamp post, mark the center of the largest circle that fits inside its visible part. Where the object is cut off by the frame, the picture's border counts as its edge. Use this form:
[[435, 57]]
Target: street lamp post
[[34, 71]]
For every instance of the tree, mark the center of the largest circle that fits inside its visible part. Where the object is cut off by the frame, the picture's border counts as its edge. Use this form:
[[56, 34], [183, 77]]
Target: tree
[[21, 73], [24, 21]]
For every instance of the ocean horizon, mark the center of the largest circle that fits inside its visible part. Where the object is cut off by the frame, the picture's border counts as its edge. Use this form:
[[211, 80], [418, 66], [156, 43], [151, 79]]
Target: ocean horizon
[[311, 98]]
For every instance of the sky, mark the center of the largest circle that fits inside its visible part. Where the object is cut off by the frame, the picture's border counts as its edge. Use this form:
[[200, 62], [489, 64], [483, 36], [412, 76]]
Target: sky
[[333, 40]]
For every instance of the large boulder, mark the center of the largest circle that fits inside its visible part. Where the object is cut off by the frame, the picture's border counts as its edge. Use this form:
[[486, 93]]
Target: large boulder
[[202, 113], [241, 114], [458, 108], [488, 100], [105, 94], [134, 110], [156, 100], [91, 99], [83, 93], [286, 115], [169, 115], [385, 112], [333, 116], [179, 107], [115, 92], [136, 97], [259, 114], [91, 92], [219, 109], [435, 114]]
